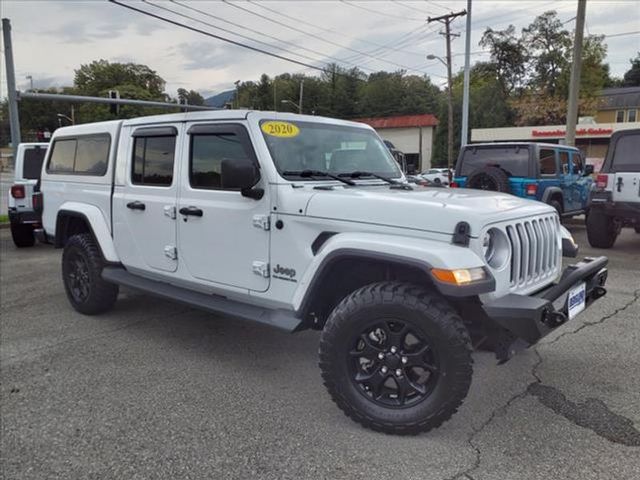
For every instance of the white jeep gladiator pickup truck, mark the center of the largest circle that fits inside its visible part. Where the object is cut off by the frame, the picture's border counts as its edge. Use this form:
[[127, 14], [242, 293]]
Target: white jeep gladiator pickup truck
[[307, 222], [23, 217]]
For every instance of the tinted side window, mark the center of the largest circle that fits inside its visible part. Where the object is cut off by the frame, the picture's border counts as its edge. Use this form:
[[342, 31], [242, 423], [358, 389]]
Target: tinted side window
[[207, 153], [92, 155], [85, 155], [63, 156], [153, 159], [32, 162], [625, 155], [548, 162], [577, 162], [564, 162]]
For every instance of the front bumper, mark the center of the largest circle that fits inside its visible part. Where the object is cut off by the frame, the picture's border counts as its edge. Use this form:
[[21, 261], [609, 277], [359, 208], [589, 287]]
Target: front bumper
[[531, 317]]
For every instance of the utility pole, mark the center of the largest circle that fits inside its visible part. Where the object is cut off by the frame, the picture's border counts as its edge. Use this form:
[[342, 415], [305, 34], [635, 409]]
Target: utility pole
[[464, 137], [14, 119], [446, 21], [300, 101], [574, 86]]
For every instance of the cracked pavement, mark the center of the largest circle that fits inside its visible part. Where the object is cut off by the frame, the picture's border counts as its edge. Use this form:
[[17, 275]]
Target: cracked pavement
[[158, 390]]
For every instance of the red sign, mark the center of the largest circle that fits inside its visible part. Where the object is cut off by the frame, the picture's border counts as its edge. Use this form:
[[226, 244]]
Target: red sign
[[579, 132]]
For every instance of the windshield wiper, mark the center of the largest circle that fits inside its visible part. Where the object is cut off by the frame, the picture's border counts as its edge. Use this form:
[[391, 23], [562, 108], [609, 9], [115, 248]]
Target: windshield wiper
[[317, 173], [395, 183]]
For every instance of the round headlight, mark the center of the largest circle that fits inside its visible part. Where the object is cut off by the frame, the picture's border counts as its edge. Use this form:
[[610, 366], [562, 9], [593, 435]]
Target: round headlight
[[495, 248]]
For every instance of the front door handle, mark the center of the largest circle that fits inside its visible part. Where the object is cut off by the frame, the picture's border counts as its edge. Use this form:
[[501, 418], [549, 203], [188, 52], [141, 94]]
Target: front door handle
[[193, 211], [136, 205]]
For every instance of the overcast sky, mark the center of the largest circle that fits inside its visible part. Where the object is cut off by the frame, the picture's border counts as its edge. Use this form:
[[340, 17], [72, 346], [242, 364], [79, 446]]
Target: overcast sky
[[52, 38]]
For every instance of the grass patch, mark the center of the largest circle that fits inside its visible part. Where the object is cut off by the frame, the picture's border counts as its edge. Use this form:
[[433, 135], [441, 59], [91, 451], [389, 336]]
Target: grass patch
[[4, 218]]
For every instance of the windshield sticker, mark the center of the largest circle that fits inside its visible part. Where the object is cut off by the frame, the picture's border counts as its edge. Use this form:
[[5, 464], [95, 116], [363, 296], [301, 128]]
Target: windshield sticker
[[280, 129]]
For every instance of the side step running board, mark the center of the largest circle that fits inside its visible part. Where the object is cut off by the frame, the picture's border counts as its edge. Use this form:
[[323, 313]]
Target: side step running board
[[281, 319]]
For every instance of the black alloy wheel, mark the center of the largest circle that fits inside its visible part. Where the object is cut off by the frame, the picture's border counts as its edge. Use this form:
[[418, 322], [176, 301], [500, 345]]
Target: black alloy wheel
[[82, 265], [396, 358], [78, 275], [393, 364]]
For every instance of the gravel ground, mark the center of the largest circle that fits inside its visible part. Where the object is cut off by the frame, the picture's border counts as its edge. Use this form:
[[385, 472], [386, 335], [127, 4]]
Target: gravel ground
[[158, 390]]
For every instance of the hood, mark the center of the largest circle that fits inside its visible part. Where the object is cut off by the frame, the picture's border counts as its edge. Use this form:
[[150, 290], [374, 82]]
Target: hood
[[429, 209]]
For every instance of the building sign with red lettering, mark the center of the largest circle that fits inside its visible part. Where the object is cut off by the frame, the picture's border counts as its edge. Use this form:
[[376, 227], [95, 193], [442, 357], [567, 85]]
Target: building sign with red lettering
[[580, 132]]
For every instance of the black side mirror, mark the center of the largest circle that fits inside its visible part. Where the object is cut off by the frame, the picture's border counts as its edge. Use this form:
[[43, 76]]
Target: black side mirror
[[588, 170], [241, 173]]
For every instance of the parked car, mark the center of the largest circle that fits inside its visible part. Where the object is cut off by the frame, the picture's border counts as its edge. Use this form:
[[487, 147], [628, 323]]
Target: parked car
[[615, 201], [22, 216], [437, 175], [550, 173], [224, 211]]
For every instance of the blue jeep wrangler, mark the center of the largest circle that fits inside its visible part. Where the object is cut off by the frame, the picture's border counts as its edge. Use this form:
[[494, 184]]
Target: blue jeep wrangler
[[550, 173]]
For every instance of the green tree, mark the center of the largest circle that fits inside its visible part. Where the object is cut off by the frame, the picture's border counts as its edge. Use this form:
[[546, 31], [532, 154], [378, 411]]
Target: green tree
[[549, 47], [100, 76], [509, 58], [632, 76], [190, 97]]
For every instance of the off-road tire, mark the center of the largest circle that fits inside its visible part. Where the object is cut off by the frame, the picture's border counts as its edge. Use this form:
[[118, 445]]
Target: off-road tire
[[22, 235], [418, 308], [101, 295], [489, 178], [558, 206], [601, 229]]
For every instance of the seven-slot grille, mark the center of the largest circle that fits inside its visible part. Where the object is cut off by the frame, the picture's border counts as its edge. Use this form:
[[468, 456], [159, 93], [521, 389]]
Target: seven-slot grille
[[534, 249]]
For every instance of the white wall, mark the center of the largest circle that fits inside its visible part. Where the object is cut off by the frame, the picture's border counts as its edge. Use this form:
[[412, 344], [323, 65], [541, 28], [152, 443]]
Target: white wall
[[407, 140]]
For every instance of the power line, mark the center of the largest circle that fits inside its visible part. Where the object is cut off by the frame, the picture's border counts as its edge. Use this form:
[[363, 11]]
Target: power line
[[404, 5], [212, 35], [238, 34], [387, 15], [446, 9], [312, 35], [329, 30], [624, 34], [231, 41]]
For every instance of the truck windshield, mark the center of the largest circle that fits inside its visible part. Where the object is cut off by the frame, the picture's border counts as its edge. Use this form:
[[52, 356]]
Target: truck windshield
[[513, 159], [334, 149], [32, 162]]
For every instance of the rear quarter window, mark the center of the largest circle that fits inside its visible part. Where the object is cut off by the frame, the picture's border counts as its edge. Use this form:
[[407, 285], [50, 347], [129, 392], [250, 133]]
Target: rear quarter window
[[513, 159], [82, 155], [626, 154], [32, 162]]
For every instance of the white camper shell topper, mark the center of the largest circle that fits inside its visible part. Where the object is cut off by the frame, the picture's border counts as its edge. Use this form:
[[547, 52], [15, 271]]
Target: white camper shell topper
[[307, 222]]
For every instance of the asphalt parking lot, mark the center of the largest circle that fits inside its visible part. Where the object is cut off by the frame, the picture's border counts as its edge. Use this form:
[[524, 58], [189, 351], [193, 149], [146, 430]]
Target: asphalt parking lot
[[158, 390]]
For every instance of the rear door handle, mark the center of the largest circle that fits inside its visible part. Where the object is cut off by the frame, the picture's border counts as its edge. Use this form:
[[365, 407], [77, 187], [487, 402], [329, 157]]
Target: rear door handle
[[620, 184], [193, 211], [136, 205]]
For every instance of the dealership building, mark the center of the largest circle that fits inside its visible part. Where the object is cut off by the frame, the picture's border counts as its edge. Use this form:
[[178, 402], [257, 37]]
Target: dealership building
[[619, 109], [411, 134]]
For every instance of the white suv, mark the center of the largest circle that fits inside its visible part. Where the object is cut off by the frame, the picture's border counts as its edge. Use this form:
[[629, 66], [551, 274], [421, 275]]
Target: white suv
[[615, 201], [22, 214], [305, 222]]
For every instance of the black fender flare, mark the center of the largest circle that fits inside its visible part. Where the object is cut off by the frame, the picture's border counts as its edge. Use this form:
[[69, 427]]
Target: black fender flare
[[549, 192], [323, 271]]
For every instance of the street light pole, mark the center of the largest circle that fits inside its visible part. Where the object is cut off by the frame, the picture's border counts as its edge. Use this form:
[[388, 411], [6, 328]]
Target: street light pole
[[300, 101], [464, 137]]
